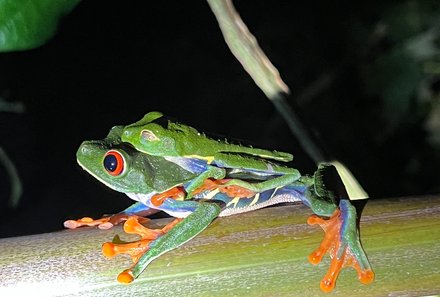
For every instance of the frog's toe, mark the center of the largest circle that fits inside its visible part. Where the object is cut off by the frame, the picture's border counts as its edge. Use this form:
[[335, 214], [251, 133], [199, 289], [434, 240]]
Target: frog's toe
[[365, 276], [326, 244], [342, 244], [354, 256], [329, 281], [331, 228], [125, 277], [105, 226], [118, 218], [134, 249], [103, 223], [137, 248], [133, 226], [86, 221]]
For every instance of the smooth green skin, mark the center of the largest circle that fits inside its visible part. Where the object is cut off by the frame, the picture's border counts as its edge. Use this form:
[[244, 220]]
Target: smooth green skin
[[26, 24], [142, 174], [177, 141]]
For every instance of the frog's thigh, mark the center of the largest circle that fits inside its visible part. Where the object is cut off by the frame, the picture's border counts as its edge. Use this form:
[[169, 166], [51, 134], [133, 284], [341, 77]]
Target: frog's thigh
[[280, 181], [210, 172], [233, 160]]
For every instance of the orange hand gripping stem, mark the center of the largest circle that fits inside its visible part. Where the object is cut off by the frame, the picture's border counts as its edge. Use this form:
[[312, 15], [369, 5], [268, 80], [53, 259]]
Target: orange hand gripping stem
[[135, 249], [102, 223]]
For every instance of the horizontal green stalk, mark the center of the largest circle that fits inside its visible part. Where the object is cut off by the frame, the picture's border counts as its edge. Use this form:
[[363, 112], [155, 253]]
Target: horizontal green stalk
[[261, 253]]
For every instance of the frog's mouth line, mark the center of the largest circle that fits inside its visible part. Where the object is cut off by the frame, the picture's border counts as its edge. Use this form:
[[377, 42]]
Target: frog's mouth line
[[96, 176]]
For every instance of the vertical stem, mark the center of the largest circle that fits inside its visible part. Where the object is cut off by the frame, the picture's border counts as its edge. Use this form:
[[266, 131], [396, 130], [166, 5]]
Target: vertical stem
[[16, 187], [245, 48]]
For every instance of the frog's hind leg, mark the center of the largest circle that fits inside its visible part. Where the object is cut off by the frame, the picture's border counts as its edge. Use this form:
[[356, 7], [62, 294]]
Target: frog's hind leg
[[342, 242], [276, 175], [211, 172], [261, 186], [342, 239]]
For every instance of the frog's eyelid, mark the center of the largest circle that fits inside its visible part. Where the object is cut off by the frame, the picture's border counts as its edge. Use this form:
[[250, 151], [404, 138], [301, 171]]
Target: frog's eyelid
[[148, 135]]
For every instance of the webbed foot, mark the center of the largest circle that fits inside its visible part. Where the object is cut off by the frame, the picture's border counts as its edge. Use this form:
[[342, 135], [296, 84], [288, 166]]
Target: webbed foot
[[342, 242], [103, 223], [135, 249]]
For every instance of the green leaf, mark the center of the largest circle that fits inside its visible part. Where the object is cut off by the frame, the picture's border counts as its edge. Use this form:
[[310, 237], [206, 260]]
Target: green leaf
[[26, 24]]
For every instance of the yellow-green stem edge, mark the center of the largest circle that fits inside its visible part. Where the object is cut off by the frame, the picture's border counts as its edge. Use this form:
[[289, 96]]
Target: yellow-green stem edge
[[262, 253]]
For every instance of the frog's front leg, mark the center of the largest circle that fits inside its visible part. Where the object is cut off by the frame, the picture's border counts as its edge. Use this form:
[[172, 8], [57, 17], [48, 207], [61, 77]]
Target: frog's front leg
[[137, 209], [342, 239], [154, 243]]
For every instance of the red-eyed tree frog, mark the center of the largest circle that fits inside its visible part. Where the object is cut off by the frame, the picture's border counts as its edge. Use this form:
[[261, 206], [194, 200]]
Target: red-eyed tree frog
[[143, 177], [155, 135], [109, 160]]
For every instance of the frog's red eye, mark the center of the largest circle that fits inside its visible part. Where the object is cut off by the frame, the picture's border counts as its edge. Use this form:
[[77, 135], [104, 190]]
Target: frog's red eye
[[113, 163]]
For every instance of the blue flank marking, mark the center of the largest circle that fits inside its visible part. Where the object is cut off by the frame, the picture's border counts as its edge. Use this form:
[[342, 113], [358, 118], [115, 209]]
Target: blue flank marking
[[296, 192], [135, 208], [192, 165], [198, 166], [178, 206]]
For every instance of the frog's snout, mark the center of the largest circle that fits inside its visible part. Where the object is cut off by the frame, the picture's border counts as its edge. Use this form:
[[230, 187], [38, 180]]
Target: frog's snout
[[85, 149]]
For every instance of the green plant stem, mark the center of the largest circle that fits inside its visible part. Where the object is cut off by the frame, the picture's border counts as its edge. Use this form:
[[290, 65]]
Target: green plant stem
[[16, 186], [246, 50], [261, 253]]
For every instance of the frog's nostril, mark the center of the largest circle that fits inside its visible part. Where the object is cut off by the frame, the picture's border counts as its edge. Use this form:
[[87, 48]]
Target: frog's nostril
[[85, 148]]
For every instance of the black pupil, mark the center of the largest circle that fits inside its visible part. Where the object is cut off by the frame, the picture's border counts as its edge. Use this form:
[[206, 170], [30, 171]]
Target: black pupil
[[110, 163]]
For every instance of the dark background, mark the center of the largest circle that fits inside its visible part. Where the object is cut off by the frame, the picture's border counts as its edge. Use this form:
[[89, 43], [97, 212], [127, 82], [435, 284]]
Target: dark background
[[112, 62]]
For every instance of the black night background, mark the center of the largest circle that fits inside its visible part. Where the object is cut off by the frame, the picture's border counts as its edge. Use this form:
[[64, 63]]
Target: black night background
[[353, 77]]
